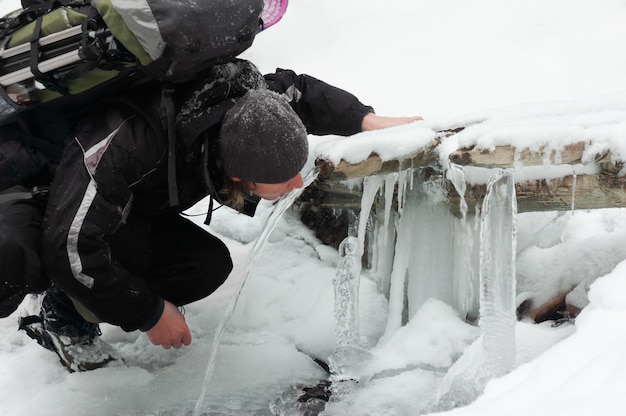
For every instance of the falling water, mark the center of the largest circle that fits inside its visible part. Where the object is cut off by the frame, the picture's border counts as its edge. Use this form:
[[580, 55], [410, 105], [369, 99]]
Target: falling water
[[346, 293], [348, 354], [498, 237], [278, 210]]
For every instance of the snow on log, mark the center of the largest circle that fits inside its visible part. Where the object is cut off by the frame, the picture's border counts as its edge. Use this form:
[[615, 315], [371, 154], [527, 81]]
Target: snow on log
[[509, 156], [566, 161]]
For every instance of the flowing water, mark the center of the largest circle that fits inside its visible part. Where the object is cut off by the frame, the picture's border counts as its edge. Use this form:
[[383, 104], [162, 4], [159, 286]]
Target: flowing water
[[279, 209]]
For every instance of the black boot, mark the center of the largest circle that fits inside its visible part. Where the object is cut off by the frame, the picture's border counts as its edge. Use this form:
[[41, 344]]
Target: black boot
[[60, 328]]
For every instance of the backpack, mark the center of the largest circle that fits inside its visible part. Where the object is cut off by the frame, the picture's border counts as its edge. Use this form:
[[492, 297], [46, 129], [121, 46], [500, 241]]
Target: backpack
[[55, 49], [62, 58]]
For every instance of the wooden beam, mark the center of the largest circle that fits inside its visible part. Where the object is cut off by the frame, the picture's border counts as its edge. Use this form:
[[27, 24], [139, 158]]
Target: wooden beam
[[604, 190], [374, 165], [547, 311], [509, 156]]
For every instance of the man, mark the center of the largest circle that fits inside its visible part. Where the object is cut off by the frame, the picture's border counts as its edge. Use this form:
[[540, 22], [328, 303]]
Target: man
[[114, 246]]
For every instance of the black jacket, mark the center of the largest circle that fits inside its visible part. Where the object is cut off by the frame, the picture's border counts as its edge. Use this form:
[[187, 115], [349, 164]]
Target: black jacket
[[116, 166]]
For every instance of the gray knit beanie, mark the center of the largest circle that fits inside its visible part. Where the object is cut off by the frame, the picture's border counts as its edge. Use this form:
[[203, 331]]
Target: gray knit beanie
[[262, 139]]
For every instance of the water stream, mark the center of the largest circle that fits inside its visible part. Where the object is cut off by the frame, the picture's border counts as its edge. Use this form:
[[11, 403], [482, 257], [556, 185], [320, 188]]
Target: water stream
[[349, 355], [279, 209]]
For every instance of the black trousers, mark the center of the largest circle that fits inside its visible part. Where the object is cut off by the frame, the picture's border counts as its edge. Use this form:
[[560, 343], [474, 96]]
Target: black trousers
[[21, 271], [181, 262]]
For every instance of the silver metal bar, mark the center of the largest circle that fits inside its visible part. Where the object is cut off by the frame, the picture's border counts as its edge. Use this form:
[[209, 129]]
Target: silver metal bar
[[46, 40], [45, 66]]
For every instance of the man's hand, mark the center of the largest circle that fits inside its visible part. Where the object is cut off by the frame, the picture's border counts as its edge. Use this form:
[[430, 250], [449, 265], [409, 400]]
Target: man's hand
[[171, 329], [374, 122]]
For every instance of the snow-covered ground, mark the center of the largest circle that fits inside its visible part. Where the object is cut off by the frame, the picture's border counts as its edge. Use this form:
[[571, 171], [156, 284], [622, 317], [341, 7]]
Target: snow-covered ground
[[555, 62]]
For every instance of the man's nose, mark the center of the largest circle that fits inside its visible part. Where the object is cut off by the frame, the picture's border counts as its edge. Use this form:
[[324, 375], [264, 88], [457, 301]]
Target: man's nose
[[296, 182]]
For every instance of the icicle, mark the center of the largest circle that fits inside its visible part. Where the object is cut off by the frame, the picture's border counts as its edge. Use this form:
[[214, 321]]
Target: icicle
[[457, 177], [465, 276], [429, 224], [573, 189], [465, 268], [411, 179], [382, 249], [371, 186], [390, 185], [492, 354], [402, 189], [497, 273], [398, 277], [280, 207]]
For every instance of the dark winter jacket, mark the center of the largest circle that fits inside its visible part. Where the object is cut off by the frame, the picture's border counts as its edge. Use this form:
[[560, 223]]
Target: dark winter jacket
[[117, 166]]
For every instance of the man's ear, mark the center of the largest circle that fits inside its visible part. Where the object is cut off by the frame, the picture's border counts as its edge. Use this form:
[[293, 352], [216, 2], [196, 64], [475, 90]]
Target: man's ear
[[235, 179]]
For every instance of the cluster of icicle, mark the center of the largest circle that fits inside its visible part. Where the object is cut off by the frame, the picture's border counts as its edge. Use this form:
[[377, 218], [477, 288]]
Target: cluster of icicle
[[433, 256]]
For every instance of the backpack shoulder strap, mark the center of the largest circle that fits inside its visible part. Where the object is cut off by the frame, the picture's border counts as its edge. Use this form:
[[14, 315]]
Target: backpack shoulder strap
[[168, 118], [155, 103]]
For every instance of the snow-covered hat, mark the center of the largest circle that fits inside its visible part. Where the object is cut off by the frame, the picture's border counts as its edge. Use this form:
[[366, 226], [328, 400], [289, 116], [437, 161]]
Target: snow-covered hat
[[262, 139], [273, 10]]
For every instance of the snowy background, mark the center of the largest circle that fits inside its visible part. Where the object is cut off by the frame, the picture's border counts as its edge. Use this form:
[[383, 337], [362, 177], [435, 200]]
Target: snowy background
[[450, 61]]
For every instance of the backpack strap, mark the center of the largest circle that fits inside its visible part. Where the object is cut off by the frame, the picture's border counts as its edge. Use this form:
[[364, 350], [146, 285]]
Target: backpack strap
[[14, 196], [142, 101], [168, 118], [34, 61], [207, 180], [19, 192]]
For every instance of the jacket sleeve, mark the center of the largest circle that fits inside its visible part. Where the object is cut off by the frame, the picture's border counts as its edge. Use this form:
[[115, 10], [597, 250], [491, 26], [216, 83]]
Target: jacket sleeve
[[90, 199], [323, 108]]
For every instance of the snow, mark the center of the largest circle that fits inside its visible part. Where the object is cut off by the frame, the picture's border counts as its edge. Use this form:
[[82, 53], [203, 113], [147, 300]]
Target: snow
[[397, 143], [551, 66]]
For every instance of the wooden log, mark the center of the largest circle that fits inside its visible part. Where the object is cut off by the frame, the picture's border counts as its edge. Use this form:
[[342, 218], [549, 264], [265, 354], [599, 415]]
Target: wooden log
[[603, 190], [508, 156], [374, 165], [552, 309]]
